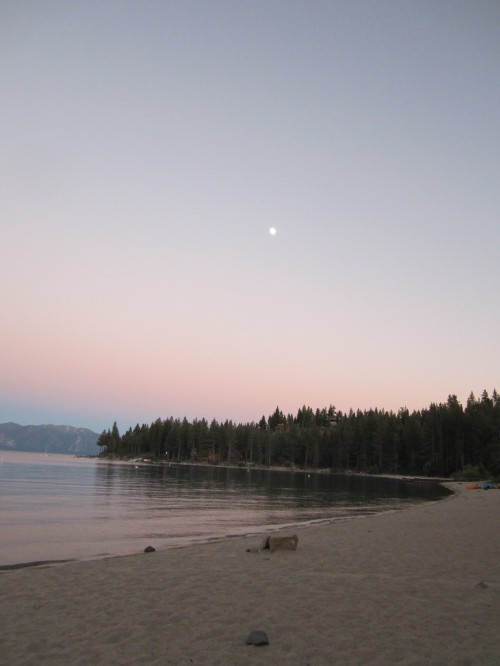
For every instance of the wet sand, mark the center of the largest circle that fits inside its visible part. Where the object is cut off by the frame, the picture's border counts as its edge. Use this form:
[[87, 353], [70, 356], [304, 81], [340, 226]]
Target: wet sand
[[417, 586]]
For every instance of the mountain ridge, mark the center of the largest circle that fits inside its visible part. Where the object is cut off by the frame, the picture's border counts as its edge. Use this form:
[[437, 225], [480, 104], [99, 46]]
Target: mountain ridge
[[48, 438]]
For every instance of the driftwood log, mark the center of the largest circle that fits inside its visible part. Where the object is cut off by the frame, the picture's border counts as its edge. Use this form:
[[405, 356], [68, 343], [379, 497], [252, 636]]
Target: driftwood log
[[273, 543]]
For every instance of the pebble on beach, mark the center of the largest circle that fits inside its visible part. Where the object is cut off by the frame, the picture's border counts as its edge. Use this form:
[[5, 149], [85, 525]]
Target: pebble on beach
[[257, 637]]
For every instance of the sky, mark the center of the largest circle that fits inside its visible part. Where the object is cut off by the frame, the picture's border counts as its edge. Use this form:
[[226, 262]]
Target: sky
[[147, 148]]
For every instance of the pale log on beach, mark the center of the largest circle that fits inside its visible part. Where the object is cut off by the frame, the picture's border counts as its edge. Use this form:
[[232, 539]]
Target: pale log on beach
[[418, 586], [274, 543]]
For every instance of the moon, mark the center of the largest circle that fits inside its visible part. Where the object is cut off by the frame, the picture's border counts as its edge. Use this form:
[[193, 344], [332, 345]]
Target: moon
[[272, 231]]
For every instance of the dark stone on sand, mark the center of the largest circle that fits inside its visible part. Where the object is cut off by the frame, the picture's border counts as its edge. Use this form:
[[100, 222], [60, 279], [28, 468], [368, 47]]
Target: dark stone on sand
[[257, 637], [482, 585], [149, 549]]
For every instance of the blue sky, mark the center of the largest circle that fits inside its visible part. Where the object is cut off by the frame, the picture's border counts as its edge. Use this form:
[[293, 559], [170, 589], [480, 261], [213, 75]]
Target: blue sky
[[149, 147]]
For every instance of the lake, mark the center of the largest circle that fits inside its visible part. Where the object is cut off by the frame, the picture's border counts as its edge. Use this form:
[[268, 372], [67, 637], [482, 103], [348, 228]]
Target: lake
[[56, 507]]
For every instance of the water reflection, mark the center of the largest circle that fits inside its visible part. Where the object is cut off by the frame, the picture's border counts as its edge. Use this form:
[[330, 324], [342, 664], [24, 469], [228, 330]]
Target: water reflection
[[60, 507], [189, 485]]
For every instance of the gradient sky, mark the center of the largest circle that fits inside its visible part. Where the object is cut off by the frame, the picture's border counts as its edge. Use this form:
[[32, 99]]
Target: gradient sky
[[147, 148]]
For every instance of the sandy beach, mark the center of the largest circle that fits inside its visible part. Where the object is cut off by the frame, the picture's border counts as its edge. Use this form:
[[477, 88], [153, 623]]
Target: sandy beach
[[418, 586]]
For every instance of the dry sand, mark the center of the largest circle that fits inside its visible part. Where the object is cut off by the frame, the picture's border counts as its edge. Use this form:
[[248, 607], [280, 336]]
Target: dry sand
[[418, 586]]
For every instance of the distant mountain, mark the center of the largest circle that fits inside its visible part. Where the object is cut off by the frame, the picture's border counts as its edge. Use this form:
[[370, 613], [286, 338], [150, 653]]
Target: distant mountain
[[48, 438]]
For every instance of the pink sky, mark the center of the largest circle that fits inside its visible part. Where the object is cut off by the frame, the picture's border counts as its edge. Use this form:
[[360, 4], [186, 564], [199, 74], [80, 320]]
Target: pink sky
[[148, 153]]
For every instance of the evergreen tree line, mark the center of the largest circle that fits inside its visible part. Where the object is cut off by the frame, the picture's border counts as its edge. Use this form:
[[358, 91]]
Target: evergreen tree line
[[442, 440]]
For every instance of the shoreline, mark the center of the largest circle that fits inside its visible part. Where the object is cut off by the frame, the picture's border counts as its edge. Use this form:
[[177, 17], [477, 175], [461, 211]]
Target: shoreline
[[269, 468], [37, 550], [414, 586], [342, 514], [271, 529]]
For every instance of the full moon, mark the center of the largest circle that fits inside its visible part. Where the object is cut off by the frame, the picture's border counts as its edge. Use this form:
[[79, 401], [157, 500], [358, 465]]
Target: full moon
[[272, 231]]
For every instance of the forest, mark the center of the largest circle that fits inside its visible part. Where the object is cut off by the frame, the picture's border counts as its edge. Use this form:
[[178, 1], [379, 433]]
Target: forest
[[443, 440]]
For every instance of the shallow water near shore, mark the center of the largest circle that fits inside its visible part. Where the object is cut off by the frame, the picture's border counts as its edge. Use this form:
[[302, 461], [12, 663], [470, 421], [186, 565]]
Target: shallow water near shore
[[56, 507]]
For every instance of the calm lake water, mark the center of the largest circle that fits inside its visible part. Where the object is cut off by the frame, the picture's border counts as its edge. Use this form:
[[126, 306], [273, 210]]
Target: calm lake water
[[55, 507]]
